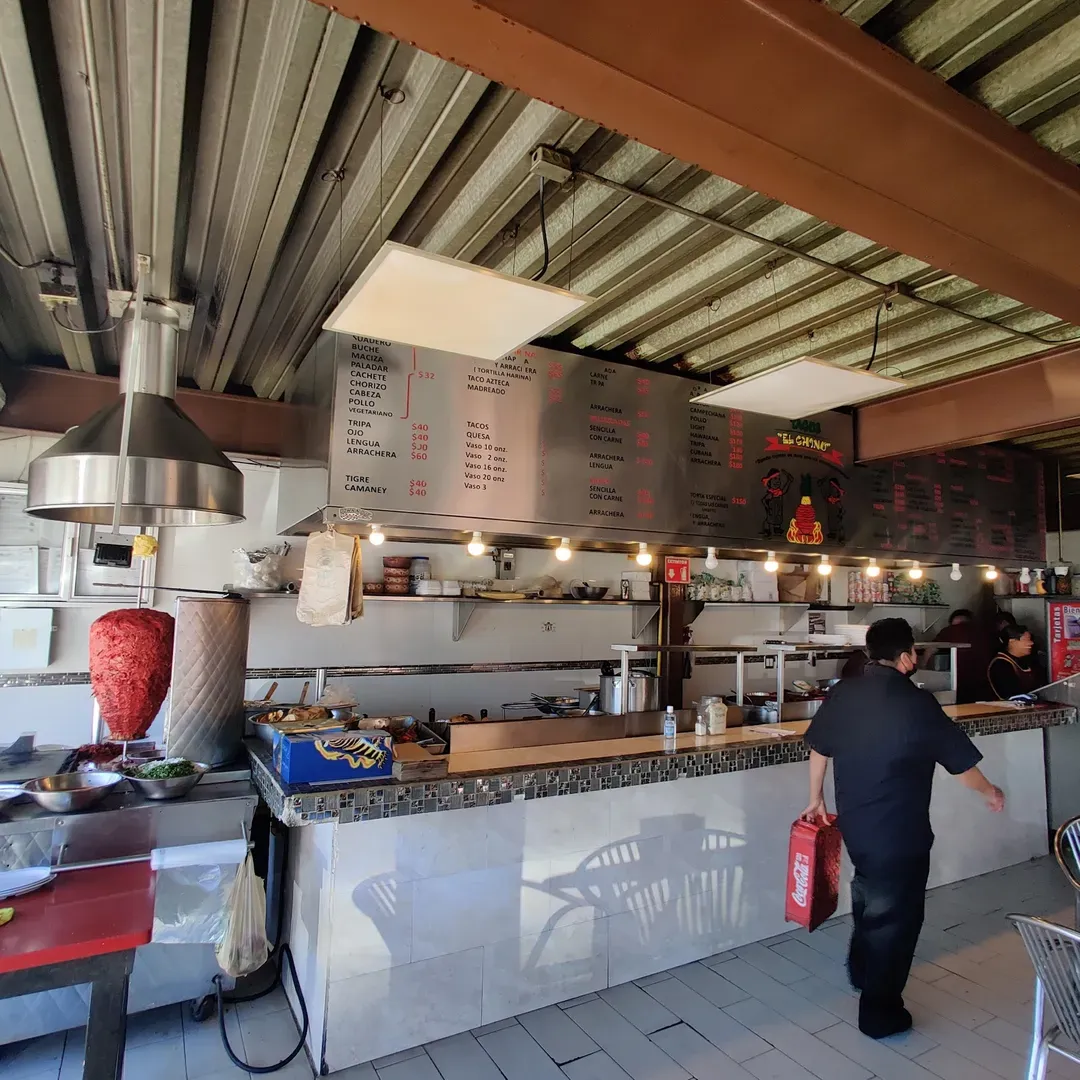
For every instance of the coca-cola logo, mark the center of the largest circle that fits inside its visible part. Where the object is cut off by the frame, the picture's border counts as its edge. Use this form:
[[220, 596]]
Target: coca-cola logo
[[801, 873]]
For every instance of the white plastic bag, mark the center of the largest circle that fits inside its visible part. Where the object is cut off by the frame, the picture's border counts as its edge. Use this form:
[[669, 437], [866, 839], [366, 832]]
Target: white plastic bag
[[245, 947], [326, 587]]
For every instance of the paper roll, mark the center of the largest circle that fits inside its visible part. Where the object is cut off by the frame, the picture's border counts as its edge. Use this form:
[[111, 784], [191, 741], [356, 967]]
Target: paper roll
[[213, 854]]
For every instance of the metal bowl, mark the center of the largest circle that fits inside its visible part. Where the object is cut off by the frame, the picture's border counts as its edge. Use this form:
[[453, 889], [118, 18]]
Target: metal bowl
[[588, 592], [71, 792], [173, 787]]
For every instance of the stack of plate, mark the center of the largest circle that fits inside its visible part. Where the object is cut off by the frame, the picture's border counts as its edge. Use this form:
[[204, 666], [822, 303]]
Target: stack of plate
[[426, 587], [26, 880], [855, 633]]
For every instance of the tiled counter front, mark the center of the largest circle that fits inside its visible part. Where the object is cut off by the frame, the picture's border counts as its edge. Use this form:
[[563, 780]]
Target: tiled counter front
[[419, 925], [303, 804]]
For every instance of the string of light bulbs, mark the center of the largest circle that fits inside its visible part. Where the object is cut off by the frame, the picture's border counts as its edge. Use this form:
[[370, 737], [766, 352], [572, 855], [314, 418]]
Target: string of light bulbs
[[643, 557]]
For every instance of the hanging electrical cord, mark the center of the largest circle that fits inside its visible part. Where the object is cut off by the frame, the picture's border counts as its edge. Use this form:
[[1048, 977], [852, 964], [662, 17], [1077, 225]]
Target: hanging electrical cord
[[893, 288], [9, 258], [283, 953], [877, 327], [100, 330], [544, 235]]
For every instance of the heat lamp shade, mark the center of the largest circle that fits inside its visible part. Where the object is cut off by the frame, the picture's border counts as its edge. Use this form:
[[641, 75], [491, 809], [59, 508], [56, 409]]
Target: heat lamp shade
[[417, 298], [803, 387]]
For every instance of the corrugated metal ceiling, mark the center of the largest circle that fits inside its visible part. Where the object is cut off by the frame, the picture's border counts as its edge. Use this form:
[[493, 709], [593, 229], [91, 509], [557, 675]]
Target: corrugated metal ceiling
[[209, 134]]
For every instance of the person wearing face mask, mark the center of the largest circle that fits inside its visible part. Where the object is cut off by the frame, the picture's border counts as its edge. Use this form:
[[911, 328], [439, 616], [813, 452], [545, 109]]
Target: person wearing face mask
[[1014, 671], [884, 736]]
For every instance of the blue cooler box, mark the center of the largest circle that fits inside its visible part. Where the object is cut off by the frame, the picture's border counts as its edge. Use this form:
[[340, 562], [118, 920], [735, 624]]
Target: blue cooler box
[[333, 755]]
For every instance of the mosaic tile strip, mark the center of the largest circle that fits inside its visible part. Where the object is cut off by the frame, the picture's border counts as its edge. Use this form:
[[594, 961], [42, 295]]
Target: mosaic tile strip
[[301, 804]]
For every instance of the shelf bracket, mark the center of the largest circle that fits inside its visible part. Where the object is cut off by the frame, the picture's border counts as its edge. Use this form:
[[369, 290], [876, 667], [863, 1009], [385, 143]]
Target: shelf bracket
[[641, 619], [693, 609], [463, 612]]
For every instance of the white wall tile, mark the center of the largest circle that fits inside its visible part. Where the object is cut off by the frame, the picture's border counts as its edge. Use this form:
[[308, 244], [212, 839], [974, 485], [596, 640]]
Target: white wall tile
[[370, 1016], [479, 907], [528, 973], [546, 828]]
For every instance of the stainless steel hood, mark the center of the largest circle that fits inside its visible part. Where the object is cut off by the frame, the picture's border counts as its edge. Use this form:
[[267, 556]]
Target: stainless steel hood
[[173, 475]]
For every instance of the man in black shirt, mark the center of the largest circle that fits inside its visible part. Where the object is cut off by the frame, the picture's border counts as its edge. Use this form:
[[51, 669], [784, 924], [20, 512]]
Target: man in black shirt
[[885, 736]]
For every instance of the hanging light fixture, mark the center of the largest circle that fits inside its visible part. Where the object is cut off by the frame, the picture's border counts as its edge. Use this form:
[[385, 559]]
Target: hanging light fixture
[[376, 536], [824, 567], [771, 565], [915, 571], [872, 569], [643, 557], [991, 573], [711, 561], [955, 573], [476, 545], [802, 387], [563, 552]]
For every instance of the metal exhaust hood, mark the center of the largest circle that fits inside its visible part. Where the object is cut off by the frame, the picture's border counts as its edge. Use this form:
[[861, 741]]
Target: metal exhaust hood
[[174, 475]]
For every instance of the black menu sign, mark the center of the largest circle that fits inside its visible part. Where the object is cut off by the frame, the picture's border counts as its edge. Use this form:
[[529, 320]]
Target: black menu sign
[[978, 502]]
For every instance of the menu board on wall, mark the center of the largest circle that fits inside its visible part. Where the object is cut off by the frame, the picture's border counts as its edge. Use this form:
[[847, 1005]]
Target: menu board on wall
[[984, 502], [547, 440], [557, 439]]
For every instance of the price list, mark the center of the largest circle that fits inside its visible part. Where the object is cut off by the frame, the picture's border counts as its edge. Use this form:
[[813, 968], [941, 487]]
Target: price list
[[554, 439], [980, 503]]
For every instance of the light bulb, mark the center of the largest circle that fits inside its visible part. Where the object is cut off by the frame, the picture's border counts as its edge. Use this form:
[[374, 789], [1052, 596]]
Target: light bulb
[[991, 573], [824, 567], [643, 558], [873, 570], [476, 545], [377, 536], [563, 552], [711, 561], [954, 573], [915, 573], [771, 565], [1025, 576]]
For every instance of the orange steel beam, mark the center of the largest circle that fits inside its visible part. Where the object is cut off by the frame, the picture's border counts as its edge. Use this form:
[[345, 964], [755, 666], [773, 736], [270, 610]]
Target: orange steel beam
[[1040, 394], [793, 100], [51, 400]]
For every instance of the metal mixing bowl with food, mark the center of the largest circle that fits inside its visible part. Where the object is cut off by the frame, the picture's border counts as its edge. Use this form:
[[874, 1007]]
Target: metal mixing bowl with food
[[583, 591], [71, 792], [168, 779]]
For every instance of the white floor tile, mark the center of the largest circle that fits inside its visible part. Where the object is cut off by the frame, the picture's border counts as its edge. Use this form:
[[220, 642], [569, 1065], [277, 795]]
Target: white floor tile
[[594, 1067], [631, 1050], [710, 984], [776, 1066], [519, 1055], [27, 1060], [725, 1033], [880, 1059], [461, 1057], [808, 1050], [156, 1061], [558, 1035], [697, 1055], [416, 1068], [643, 1011]]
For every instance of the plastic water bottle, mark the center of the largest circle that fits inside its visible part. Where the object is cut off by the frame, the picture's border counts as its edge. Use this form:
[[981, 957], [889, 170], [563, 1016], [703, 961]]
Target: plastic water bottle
[[669, 728]]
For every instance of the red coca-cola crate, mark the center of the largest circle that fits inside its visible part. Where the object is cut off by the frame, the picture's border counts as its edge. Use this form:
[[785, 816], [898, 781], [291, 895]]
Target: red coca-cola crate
[[813, 874]]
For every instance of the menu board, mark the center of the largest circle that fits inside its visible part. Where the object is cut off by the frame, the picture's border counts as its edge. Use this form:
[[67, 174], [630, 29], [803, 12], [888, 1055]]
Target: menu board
[[984, 502], [544, 440]]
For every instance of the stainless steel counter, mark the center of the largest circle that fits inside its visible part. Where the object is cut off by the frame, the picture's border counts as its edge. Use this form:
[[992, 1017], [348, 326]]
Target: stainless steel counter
[[126, 824]]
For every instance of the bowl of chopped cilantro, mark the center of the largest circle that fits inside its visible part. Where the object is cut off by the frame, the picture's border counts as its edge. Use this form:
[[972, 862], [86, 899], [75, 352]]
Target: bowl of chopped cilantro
[[168, 779]]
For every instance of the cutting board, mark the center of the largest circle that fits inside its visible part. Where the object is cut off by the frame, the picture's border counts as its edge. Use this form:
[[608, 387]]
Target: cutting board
[[965, 712]]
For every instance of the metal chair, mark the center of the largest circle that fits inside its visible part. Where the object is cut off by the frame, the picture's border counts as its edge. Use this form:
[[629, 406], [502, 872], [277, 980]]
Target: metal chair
[[1067, 839], [1055, 954]]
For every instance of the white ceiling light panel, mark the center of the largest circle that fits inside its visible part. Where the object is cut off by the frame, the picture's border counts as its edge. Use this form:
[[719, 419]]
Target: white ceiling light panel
[[418, 298], [798, 388]]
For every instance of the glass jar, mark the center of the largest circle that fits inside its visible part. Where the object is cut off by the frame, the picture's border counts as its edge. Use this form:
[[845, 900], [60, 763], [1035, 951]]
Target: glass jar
[[715, 712]]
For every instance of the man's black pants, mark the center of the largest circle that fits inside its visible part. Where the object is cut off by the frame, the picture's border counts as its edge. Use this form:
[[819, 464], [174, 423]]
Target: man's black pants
[[888, 897]]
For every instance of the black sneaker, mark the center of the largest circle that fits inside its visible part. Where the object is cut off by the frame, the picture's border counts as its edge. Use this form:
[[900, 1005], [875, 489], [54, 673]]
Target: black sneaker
[[879, 1023]]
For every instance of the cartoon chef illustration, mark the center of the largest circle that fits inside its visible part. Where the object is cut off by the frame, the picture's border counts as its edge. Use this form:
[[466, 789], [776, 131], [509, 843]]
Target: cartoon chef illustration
[[776, 483]]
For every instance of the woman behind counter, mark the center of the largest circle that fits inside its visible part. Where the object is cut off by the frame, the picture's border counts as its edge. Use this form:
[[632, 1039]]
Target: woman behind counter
[[1013, 670]]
